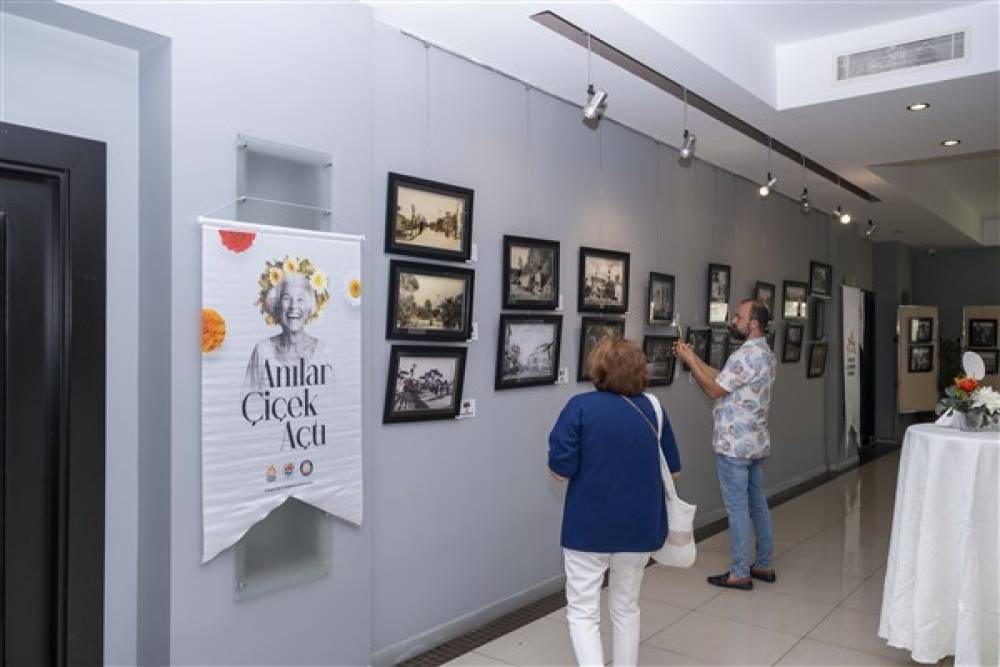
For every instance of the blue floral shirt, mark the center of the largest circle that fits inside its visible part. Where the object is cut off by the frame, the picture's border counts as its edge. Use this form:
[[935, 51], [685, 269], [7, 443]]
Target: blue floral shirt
[[741, 415]]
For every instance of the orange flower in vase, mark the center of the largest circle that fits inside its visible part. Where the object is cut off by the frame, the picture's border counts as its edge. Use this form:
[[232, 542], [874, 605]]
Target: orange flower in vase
[[213, 330], [968, 385]]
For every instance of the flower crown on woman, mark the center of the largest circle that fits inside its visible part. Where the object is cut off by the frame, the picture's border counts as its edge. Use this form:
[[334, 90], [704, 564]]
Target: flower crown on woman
[[279, 270]]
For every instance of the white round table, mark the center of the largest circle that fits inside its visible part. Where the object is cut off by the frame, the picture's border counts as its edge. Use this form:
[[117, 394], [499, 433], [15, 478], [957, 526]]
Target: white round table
[[942, 586]]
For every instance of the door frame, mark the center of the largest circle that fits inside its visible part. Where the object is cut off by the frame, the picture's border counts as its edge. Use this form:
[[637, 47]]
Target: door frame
[[79, 168]]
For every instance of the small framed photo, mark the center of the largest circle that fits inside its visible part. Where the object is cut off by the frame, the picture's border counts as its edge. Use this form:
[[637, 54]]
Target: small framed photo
[[921, 358], [660, 359], [819, 319], [982, 333], [764, 292], [530, 273], [989, 360], [820, 280], [719, 279], [428, 219], [921, 329], [699, 338], [528, 350], [794, 298], [791, 351], [593, 331], [429, 302], [817, 360], [425, 382], [718, 350], [603, 286], [770, 335], [660, 295]]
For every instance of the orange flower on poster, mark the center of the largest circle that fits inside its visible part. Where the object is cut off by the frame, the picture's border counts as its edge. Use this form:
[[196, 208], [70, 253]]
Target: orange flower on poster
[[213, 330], [236, 241]]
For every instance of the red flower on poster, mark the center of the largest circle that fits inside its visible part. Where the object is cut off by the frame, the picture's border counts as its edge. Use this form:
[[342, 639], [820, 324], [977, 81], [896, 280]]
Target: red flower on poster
[[237, 241]]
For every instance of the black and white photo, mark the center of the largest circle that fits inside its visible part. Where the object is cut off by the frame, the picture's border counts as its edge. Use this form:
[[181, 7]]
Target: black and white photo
[[530, 273], [699, 338], [719, 277], [770, 334], [820, 279], [603, 284], [429, 302], [528, 350], [718, 350], [592, 331], [660, 360], [989, 360], [921, 329], [765, 292], [818, 319], [921, 358], [425, 382], [791, 351], [428, 219], [660, 294], [817, 360], [794, 297], [982, 333]]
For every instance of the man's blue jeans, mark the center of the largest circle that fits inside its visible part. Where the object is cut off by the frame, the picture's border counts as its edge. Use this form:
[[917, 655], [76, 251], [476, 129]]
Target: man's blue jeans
[[742, 483]]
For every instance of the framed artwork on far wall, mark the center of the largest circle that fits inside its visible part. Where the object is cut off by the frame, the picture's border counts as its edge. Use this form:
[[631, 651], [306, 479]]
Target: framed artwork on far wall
[[982, 333], [719, 279], [921, 358], [794, 300], [718, 349], [921, 329], [819, 319], [530, 273], [603, 283], [989, 360], [660, 296], [660, 359], [791, 351], [424, 383], [528, 350], [699, 338], [770, 335], [430, 302], [593, 331], [820, 280], [817, 360], [765, 292], [428, 219]]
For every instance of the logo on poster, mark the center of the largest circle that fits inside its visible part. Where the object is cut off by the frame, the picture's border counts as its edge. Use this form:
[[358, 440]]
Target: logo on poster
[[271, 474], [306, 468]]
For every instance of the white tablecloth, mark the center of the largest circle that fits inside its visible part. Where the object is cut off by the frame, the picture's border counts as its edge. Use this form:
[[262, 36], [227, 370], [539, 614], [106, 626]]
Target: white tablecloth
[[942, 587]]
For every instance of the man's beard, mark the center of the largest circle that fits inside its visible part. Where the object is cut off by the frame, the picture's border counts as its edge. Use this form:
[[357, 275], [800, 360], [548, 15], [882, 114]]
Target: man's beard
[[736, 334]]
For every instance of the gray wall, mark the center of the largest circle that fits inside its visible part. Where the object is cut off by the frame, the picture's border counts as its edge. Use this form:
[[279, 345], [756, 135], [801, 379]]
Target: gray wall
[[951, 279], [893, 287]]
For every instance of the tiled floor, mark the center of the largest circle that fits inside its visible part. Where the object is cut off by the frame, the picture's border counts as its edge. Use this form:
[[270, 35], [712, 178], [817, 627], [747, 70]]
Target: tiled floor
[[831, 549]]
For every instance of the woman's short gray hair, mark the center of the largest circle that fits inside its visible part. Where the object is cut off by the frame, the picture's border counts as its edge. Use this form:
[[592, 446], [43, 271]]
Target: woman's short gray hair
[[273, 296]]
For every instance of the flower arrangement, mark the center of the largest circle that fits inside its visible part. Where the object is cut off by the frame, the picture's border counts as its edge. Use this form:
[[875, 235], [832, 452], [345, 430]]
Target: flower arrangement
[[275, 271], [978, 404]]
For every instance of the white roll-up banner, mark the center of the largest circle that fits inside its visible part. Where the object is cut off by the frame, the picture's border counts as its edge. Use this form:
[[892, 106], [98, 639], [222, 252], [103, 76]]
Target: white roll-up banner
[[854, 319]]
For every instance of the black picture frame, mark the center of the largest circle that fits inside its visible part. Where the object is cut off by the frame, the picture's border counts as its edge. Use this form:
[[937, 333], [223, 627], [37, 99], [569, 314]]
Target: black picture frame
[[397, 224], [507, 362], [792, 307], [791, 349], [982, 333], [719, 292], [921, 359], [766, 293], [990, 360], [770, 335], [588, 288], [921, 330], [661, 363], [661, 292], [699, 339], [396, 329], [817, 360], [718, 348], [395, 393], [820, 279], [517, 284], [819, 319], [614, 326]]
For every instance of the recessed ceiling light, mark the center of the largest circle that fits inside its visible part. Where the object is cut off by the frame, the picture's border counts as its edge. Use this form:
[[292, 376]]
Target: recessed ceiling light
[[951, 142], [919, 106]]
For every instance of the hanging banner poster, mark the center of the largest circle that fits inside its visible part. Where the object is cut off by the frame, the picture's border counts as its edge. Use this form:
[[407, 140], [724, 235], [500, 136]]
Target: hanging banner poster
[[854, 318], [280, 375]]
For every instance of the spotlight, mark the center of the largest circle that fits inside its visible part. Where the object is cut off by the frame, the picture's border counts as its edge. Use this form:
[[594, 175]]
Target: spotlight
[[687, 146], [843, 216], [951, 142], [919, 106], [597, 104], [765, 189], [872, 228], [804, 201]]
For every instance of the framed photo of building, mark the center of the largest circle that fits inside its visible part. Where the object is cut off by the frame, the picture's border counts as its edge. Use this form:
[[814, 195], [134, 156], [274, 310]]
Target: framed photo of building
[[794, 299], [819, 319], [530, 273], [699, 338], [428, 219], [791, 351], [660, 296], [660, 359], [429, 302], [820, 280], [921, 358], [989, 360], [718, 350], [719, 279], [817, 360], [982, 333], [528, 350], [921, 329], [424, 383], [593, 331], [603, 285], [765, 293]]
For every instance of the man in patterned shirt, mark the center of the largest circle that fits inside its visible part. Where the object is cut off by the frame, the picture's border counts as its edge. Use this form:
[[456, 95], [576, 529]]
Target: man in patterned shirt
[[742, 394]]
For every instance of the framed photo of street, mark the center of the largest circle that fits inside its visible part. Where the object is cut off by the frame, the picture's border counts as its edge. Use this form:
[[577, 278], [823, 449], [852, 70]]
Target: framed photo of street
[[530, 273], [765, 293], [817, 360], [603, 284], [527, 350], [660, 359], [428, 219], [660, 296], [820, 280], [424, 383], [794, 300], [719, 283], [430, 302], [791, 351]]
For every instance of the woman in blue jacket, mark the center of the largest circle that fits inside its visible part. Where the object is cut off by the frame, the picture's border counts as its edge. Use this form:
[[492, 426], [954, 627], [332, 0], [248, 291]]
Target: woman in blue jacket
[[604, 443]]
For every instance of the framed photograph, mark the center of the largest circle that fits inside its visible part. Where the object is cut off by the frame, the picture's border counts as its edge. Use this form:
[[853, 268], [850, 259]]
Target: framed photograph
[[428, 219], [425, 382], [791, 351], [718, 350], [429, 302], [921, 358], [989, 360], [794, 300], [764, 292], [819, 319], [732, 347], [699, 339], [921, 329], [528, 350], [603, 284], [817, 360], [660, 295], [820, 280], [592, 331], [770, 335], [530, 273], [660, 359], [982, 333], [718, 293]]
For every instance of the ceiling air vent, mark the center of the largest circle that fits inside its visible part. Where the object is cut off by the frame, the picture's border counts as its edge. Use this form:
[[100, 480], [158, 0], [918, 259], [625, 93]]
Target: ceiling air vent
[[901, 56]]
